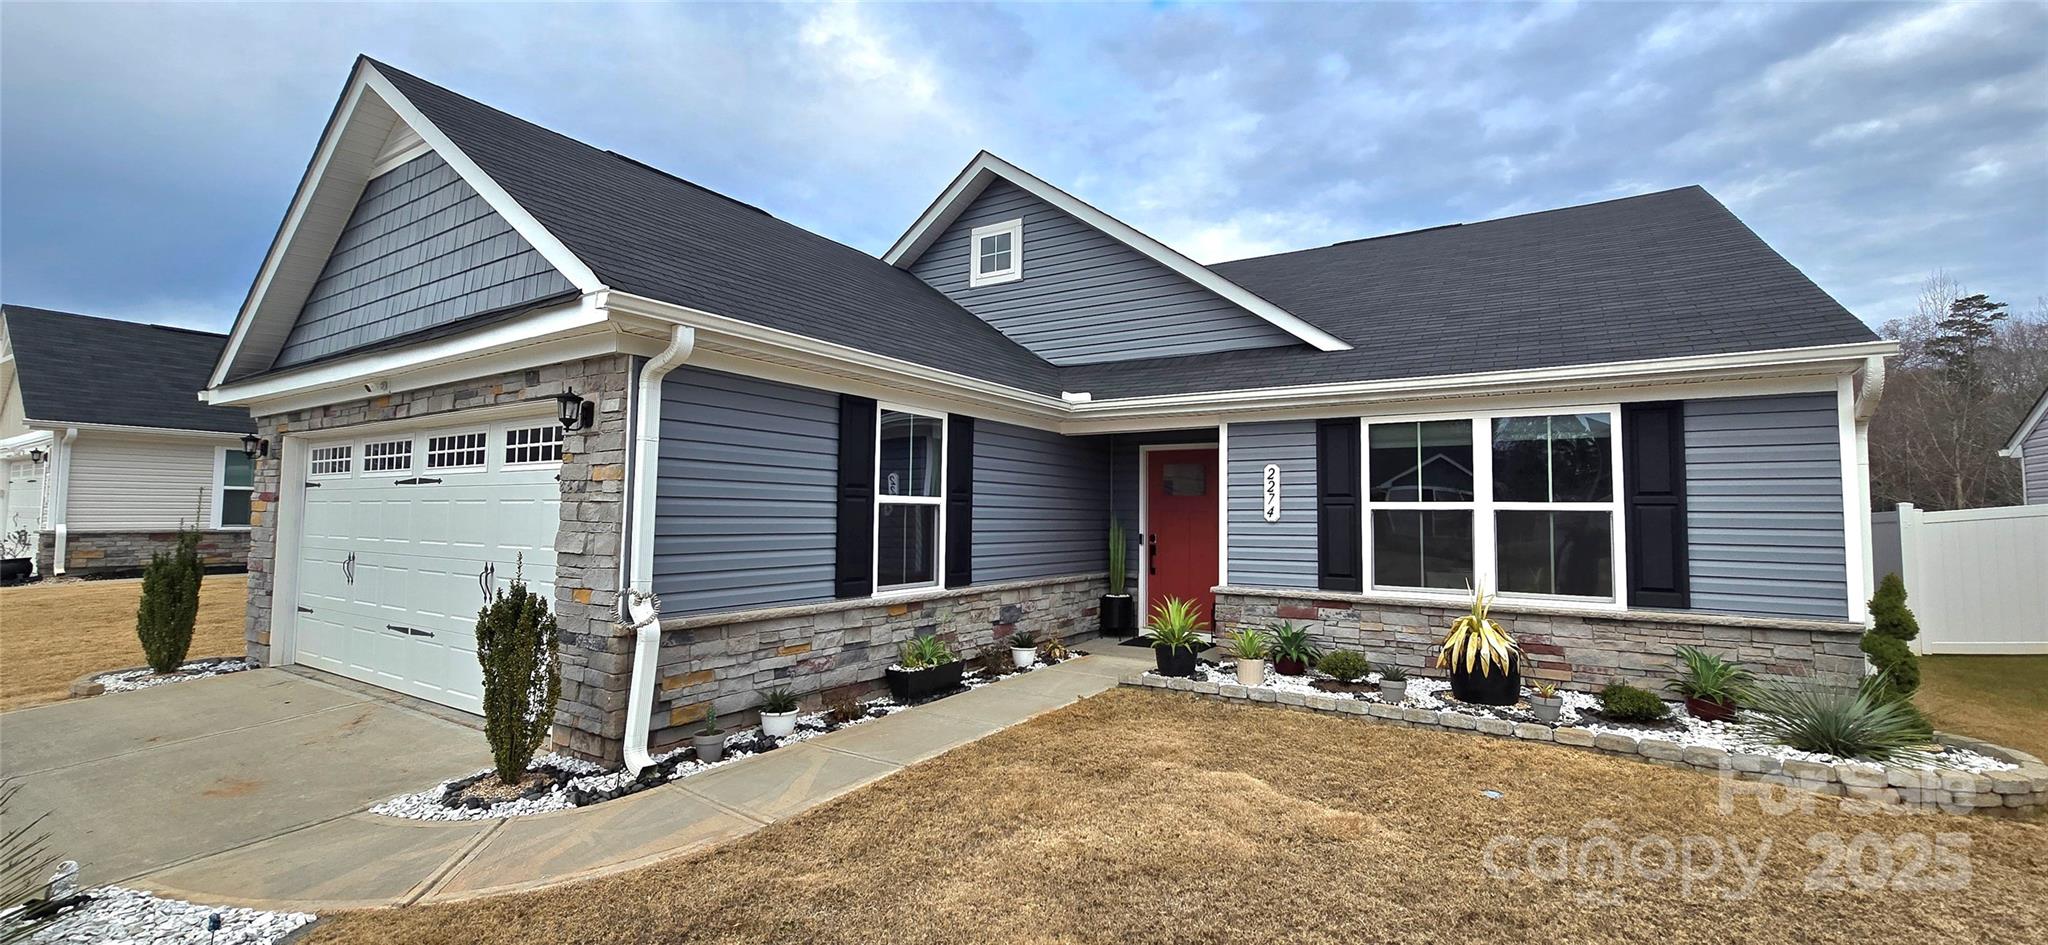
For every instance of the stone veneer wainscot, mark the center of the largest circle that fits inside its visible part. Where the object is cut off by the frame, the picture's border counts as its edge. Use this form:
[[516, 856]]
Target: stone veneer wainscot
[[126, 553], [1579, 649], [596, 651]]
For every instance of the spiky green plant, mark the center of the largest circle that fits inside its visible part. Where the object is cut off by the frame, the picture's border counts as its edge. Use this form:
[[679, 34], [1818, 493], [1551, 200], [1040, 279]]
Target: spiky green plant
[[518, 646], [1476, 642], [1023, 639], [1293, 643], [170, 603], [1118, 552], [24, 864], [926, 652], [1869, 722], [1246, 643], [1177, 624], [1707, 676], [779, 700], [1390, 672]]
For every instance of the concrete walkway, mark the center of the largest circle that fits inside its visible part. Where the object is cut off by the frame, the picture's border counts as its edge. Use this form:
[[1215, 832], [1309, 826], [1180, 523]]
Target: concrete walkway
[[364, 860]]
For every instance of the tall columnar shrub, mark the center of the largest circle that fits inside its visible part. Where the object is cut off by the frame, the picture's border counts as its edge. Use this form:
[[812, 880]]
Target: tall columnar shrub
[[517, 644], [170, 603], [1892, 625]]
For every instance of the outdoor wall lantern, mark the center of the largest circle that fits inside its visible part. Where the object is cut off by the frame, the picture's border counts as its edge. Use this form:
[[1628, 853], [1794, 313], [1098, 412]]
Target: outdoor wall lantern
[[37, 456], [576, 413], [254, 446]]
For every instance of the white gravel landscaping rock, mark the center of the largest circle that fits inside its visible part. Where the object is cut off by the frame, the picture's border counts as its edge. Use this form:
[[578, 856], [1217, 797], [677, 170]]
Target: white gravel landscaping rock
[[120, 916], [145, 678]]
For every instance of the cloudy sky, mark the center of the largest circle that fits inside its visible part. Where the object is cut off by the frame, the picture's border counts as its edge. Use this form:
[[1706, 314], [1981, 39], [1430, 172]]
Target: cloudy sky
[[148, 152]]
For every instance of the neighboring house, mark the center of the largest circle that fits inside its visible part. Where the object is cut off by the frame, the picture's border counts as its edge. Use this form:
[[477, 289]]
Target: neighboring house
[[2029, 445], [1633, 419], [109, 450]]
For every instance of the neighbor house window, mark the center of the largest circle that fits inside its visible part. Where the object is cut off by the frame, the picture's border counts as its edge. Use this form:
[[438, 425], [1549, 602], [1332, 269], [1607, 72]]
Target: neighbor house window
[[910, 487], [997, 252], [237, 485], [1520, 504]]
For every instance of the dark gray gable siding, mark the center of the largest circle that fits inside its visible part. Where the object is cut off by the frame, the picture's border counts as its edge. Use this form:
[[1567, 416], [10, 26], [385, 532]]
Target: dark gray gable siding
[[1764, 506], [1086, 297], [1041, 503], [422, 249], [1282, 553], [2034, 464], [745, 511]]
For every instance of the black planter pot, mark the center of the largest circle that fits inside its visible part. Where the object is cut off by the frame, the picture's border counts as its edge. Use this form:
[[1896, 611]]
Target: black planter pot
[[1490, 689], [911, 685], [1119, 615], [1290, 667], [13, 570], [1175, 661]]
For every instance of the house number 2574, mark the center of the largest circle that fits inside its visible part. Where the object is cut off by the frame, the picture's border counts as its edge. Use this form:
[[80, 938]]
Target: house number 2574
[[1272, 492]]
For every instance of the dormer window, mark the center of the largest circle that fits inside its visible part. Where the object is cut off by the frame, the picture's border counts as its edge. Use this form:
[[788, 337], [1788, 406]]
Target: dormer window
[[998, 251]]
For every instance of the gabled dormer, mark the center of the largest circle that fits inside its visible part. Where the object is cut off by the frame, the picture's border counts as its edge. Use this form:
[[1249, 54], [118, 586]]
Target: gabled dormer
[[1075, 285]]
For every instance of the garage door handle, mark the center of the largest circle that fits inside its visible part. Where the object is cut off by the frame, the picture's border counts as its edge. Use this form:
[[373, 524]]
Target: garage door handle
[[409, 631], [484, 578], [305, 610], [348, 567], [417, 481]]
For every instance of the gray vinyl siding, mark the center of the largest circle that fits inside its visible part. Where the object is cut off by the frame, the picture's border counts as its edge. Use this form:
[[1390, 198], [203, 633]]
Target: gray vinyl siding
[[1041, 503], [421, 249], [1086, 297], [1282, 553], [746, 510], [1764, 506], [2034, 464]]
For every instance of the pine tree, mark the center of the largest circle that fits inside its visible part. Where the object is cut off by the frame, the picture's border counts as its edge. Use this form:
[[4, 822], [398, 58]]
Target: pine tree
[[1892, 625], [516, 644], [170, 603], [1888, 611]]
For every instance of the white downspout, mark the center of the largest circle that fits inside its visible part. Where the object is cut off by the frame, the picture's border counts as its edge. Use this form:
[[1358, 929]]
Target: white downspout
[[638, 605], [60, 500]]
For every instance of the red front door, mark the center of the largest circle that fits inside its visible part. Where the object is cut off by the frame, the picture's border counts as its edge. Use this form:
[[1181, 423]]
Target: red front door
[[1180, 539]]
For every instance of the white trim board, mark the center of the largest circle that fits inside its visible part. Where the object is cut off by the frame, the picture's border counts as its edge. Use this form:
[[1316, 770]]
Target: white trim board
[[986, 167]]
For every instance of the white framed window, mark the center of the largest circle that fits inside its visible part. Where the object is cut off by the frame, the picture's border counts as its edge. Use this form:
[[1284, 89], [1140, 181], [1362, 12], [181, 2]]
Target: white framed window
[[387, 456], [457, 451], [234, 485], [1523, 503], [333, 460], [910, 499], [996, 253], [536, 444]]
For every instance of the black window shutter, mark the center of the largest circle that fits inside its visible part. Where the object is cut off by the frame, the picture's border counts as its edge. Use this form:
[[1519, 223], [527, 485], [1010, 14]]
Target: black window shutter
[[959, 500], [1340, 553], [855, 562], [1653, 494]]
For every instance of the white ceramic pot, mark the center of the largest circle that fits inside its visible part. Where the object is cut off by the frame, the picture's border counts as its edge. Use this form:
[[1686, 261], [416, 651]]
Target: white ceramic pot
[[1394, 691], [1023, 656], [1251, 672], [778, 724]]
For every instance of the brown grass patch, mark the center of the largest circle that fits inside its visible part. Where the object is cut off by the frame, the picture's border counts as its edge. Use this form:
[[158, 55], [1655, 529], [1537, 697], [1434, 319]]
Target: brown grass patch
[[55, 632], [2001, 699], [1152, 817]]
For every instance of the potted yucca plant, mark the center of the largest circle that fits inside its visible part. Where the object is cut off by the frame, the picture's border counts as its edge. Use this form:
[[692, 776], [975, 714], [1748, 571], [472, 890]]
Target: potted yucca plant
[[1293, 652], [1117, 613], [1023, 648], [925, 667], [778, 712], [1177, 635], [1545, 702], [1482, 657], [1249, 646], [1710, 685], [1393, 683]]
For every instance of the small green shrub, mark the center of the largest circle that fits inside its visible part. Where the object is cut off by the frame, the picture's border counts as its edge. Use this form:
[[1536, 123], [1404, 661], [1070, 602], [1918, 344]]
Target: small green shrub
[[170, 603], [1870, 722], [779, 700], [1895, 662], [925, 653], [1889, 614], [517, 645], [995, 658], [1345, 666], [1625, 703]]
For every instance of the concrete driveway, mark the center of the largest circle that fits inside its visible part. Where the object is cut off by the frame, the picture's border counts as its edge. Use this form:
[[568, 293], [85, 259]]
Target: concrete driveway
[[139, 782]]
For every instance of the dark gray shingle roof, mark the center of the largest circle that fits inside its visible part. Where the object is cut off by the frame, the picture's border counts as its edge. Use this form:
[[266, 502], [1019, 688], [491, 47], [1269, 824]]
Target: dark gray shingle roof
[[84, 369]]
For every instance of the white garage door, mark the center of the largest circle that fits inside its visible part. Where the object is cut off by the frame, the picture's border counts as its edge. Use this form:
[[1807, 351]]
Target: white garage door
[[22, 508], [402, 535]]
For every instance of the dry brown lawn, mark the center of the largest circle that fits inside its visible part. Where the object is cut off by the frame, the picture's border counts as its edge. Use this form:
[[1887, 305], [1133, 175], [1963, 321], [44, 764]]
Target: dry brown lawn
[[2001, 699], [1162, 818], [54, 632]]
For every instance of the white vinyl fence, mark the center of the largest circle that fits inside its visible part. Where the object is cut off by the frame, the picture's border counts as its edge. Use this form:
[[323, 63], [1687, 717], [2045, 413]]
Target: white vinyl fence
[[1977, 579]]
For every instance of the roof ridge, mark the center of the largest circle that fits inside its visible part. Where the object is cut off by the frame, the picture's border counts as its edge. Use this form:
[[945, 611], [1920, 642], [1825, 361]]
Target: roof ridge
[[13, 307]]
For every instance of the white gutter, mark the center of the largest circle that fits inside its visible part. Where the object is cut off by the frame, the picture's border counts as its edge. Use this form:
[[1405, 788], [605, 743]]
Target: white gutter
[[638, 607], [60, 497]]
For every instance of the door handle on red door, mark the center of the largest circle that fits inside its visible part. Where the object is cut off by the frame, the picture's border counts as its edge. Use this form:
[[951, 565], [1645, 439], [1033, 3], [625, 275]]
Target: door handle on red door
[[1152, 553]]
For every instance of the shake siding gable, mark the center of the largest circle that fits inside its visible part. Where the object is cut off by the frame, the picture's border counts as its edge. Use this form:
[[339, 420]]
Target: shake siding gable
[[1282, 553], [1041, 503], [745, 515], [1085, 297], [1764, 506], [421, 250]]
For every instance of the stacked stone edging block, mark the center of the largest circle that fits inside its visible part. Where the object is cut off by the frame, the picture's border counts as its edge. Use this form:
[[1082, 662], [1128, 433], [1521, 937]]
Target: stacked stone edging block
[[125, 553], [596, 652], [1884, 787], [831, 650], [1576, 649]]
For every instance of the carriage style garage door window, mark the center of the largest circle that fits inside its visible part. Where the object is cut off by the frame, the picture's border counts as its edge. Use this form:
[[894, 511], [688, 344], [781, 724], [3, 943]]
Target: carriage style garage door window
[[403, 534]]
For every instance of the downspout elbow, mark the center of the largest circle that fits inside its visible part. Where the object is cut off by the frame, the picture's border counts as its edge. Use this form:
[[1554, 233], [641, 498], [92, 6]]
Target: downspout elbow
[[639, 608]]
